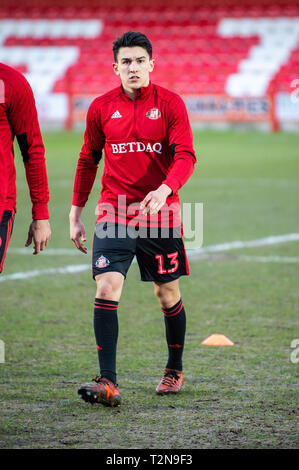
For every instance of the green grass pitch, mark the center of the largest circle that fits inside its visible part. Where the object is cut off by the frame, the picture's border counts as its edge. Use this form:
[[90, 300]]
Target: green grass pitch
[[233, 397]]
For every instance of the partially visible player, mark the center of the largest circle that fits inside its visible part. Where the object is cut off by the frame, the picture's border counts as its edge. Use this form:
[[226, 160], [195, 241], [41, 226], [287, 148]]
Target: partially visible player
[[18, 117], [3, 180]]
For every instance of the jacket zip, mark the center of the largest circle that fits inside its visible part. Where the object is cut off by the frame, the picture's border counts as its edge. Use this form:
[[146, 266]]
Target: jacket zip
[[135, 130]]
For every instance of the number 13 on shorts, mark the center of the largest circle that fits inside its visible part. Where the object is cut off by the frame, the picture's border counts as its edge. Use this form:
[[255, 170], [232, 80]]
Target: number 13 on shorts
[[173, 261]]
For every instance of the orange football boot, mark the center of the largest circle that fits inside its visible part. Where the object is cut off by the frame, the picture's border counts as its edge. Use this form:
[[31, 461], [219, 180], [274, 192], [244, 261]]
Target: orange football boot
[[104, 391], [171, 382]]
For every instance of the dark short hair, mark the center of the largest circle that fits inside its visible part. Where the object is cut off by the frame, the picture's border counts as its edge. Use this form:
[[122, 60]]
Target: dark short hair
[[131, 39]]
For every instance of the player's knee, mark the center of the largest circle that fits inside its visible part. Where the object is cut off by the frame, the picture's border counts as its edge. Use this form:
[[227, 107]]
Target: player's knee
[[105, 290], [109, 286], [168, 302], [167, 296]]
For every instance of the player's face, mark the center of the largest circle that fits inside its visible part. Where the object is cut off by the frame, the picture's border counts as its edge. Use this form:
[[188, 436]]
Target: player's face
[[133, 66]]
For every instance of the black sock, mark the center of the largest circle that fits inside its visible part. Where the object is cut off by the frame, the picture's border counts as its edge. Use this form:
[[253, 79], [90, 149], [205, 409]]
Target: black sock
[[175, 326], [106, 332]]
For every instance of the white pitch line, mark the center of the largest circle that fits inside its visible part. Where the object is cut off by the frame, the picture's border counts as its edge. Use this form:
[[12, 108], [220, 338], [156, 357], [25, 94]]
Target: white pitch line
[[269, 259], [273, 240], [75, 268], [48, 251]]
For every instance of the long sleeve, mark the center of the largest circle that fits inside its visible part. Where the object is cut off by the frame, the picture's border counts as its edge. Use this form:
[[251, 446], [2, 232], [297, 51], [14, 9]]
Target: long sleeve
[[23, 120], [3, 180], [89, 157], [180, 141]]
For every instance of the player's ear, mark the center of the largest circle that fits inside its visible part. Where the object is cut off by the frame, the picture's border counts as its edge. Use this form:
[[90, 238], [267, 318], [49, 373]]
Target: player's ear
[[152, 64], [115, 68]]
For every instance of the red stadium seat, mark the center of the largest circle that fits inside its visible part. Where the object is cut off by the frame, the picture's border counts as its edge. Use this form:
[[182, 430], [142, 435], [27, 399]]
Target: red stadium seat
[[191, 56]]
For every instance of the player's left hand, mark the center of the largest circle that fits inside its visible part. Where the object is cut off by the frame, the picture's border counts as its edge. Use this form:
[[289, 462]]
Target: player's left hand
[[40, 232], [154, 200]]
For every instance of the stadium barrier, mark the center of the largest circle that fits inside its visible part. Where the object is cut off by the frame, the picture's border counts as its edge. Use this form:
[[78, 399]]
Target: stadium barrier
[[204, 108]]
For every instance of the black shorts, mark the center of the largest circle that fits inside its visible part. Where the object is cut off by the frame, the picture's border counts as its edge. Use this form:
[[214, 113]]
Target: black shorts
[[161, 254], [6, 226]]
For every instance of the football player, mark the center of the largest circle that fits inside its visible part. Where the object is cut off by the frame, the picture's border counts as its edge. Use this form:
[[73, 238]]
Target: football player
[[145, 133]]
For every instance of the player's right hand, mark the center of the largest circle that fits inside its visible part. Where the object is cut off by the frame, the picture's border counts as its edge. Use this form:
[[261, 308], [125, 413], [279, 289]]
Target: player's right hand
[[77, 229], [40, 233], [77, 235]]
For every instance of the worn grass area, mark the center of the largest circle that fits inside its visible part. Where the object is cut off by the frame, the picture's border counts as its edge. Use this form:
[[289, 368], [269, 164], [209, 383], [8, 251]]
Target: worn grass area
[[243, 396]]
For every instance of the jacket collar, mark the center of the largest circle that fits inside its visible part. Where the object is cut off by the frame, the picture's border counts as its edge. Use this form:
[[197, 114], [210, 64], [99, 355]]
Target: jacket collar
[[141, 92]]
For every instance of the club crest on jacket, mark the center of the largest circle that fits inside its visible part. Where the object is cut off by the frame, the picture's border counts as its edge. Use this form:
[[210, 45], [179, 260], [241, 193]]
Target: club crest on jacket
[[153, 113]]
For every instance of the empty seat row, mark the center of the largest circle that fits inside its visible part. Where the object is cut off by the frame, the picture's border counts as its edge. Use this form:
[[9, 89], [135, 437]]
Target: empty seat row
[[165, 15], [239, 55]]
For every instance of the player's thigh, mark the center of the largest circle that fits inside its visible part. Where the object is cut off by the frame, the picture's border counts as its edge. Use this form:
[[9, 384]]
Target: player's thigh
[[109, 285], [111, 253], [6, 227]]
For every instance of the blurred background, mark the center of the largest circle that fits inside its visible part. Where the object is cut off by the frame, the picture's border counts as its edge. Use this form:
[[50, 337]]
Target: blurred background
[[235, 63]]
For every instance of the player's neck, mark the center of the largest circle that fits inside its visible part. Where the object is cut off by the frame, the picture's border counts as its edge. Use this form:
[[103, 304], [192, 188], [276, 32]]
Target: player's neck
[[132, 92]]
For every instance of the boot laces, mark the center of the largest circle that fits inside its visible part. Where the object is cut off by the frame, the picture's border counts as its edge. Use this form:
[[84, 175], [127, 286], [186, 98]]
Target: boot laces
[[170, 378], [98, 379]]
